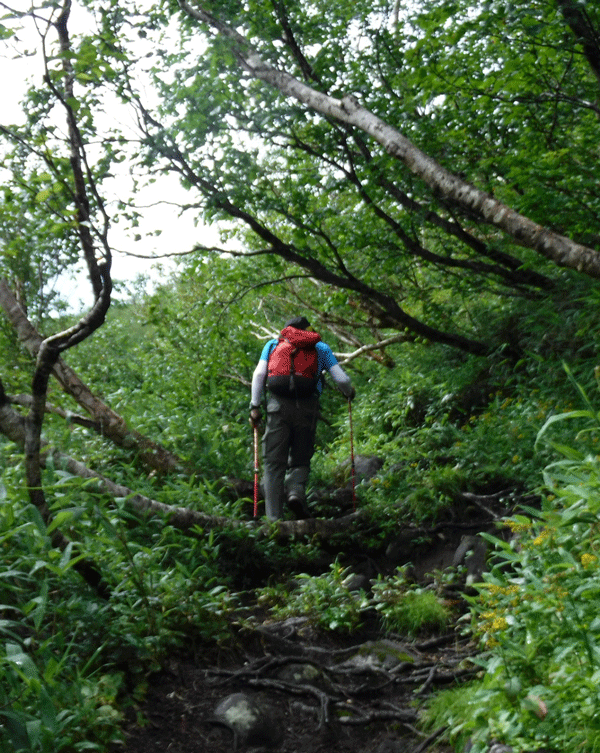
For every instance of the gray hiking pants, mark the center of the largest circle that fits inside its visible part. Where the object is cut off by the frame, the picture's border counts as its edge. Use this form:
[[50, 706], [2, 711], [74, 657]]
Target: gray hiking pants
[[288, 446]]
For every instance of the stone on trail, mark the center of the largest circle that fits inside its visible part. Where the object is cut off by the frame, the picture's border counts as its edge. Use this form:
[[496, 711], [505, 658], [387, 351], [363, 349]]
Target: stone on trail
[[301, 674], [380, 655], [251, 722]]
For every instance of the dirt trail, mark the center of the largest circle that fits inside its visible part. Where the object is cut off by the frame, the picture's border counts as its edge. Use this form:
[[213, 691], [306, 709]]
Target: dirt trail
[[323, 695], [322, 692]]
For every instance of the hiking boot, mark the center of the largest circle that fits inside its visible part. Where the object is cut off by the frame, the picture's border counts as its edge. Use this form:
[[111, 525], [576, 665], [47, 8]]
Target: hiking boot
[[298, 507]]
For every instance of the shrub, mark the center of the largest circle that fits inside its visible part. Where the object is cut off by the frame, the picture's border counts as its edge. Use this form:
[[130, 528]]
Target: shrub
[[537, 619], [324, 599], [407, 609]]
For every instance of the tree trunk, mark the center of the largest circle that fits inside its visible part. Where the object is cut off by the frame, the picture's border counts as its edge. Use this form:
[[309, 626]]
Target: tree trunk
[[553, 246], [111, 424], [22, 432], [13, 426], [581, 25]]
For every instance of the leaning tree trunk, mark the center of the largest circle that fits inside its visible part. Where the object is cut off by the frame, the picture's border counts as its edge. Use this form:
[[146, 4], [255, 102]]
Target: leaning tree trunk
[[110, 424], [14, 426], [98, 263], [557, 248]]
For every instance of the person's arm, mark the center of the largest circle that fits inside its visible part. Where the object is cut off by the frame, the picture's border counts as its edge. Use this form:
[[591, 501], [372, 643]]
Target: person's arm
[[258, 383], [342, 381], [340, 378]]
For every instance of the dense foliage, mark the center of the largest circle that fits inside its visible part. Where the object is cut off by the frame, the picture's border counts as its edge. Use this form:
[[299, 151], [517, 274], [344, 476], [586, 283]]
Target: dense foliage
[[536, 618], [476, 372], [170, 591]]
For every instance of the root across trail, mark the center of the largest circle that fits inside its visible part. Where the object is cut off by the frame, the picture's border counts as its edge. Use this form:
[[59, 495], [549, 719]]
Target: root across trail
[[310, 693]]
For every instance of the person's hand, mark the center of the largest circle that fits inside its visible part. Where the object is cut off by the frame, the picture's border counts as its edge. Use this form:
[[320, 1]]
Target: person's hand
[[255, 417], [352, 394]]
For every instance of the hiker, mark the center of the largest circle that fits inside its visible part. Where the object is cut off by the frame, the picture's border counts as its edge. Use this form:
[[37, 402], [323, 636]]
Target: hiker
[[291, 367]]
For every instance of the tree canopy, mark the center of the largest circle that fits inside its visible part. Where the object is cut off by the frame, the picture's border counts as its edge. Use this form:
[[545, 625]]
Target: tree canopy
[[392, 158], [413, 159]]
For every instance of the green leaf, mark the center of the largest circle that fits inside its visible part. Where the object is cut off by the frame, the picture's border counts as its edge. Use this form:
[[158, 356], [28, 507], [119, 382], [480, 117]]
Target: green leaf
[[48, 712], [60, 518], [22, 661], [563, 417]]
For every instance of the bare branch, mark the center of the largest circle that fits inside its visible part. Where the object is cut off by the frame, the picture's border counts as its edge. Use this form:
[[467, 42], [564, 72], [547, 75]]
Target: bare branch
[[347, 357], [26, 402]]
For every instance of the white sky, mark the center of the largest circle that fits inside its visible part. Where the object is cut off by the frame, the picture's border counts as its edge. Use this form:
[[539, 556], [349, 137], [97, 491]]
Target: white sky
[[178, 232]]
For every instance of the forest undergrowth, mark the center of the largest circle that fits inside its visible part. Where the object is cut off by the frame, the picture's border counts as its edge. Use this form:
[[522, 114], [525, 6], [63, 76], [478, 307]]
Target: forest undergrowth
[[446, 426]]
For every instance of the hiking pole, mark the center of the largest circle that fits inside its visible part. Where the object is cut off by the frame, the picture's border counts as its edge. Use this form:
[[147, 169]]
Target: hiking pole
[[256, 471], [352, 466]]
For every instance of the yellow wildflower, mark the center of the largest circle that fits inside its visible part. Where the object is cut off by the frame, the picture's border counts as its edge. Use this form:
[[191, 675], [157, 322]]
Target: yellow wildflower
[[517, 527], [588, 559], [542, 537]]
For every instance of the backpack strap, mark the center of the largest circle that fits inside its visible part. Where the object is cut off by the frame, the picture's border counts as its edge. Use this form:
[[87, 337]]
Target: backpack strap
[[293, 352], [269, 354]]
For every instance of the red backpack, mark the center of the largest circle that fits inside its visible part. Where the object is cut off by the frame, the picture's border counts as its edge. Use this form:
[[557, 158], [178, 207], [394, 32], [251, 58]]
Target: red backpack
[[293, 369]]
